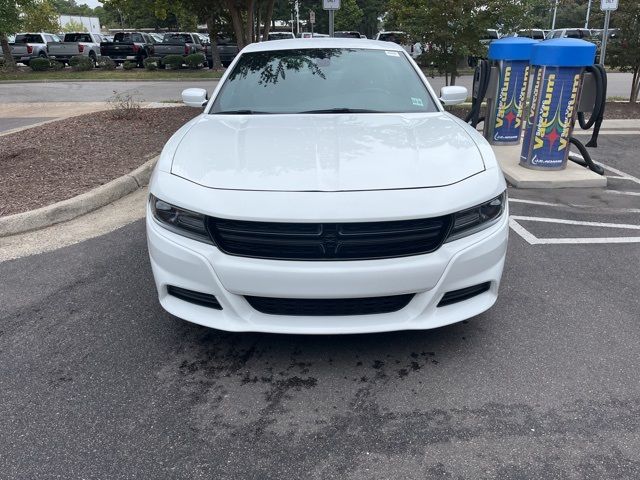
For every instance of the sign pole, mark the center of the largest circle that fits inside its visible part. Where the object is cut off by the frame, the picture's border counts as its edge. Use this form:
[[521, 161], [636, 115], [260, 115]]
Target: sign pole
[[586, 20], [331, 13], [605, 36]]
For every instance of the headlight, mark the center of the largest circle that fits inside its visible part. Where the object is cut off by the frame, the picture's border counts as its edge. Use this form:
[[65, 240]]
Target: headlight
[[472, 220], [178, 220]]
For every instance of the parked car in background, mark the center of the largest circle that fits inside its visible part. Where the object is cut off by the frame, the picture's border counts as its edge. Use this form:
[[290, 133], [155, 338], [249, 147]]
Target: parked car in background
[[347, 34], [582, 33], [279, 36], [128, 46], [28, 46], [535, 33], [78, 43], [227, 49], [157, 37], [402, 39], [178, 43]]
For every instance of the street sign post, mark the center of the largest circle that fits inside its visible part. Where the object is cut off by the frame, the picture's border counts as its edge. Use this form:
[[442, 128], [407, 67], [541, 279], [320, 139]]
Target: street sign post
[[331, 6], [312, 20], [607, 6]]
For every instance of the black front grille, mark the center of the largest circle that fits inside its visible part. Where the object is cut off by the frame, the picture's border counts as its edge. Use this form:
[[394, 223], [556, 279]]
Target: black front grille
[[329, 307], [202, 299], [463, 294], [329, 241]]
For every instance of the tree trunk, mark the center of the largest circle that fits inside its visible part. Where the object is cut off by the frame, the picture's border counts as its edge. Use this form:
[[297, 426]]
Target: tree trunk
[[453, 78], [249, 25], [268, 18], [9, 62], [213, 37], [236, 21]]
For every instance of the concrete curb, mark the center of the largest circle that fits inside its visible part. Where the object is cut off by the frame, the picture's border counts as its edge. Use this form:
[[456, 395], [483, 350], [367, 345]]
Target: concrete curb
[[78, 205]]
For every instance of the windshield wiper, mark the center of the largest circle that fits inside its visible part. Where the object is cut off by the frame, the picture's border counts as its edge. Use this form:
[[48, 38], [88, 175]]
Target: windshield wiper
[[343, 110], [240, 112]]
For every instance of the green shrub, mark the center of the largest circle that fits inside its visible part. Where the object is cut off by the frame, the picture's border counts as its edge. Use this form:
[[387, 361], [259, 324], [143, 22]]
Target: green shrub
[[129, 65], [195, 60], [39, 64], [174, 62], [81, 63], [56, 65], [151, 63], [106, 63]]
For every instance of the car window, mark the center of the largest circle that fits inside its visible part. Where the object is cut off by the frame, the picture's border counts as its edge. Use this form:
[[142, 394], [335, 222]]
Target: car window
[[399, 38], [303, 80], [347, 35], [124, 37], [176, 38], [77, 37], [29, 38]]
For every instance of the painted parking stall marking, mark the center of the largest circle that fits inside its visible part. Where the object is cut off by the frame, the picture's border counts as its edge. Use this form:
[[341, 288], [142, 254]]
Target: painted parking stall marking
[[516, 221]]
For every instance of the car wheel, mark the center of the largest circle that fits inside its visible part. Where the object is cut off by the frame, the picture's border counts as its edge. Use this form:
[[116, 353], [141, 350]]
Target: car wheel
[[92, 57]]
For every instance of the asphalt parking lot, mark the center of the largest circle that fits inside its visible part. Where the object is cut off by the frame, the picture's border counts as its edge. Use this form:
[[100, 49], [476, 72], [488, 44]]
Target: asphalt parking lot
[[98, 381]]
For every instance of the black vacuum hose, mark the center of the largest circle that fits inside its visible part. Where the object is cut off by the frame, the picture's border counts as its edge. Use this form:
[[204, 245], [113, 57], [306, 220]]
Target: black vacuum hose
[[479, 89], [597, 115]]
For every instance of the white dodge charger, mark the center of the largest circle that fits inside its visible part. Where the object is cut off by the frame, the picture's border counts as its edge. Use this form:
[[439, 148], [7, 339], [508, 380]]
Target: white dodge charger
[[325, 190]]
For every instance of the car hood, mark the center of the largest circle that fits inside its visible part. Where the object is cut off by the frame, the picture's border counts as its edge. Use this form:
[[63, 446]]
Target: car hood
[[326, 152]]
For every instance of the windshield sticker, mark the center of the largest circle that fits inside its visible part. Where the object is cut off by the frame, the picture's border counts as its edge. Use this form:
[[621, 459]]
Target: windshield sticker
[[417, 102], [391, 53]]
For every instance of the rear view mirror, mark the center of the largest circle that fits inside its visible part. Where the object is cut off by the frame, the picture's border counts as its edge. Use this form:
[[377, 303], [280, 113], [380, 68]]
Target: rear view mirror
[[453, 95], [195, 97]]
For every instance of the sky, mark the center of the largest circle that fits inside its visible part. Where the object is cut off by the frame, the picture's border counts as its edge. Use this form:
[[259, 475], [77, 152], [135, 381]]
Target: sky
[[91, 3]]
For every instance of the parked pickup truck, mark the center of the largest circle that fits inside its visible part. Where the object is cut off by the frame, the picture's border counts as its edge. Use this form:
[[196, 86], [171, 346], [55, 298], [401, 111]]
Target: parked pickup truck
[[227, 48], [79, 43], [178, 44], [128, 46], [28, 46]]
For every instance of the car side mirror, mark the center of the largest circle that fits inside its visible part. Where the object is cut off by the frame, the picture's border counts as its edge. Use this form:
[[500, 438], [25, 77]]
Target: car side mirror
[[453, 95], [195, 97]]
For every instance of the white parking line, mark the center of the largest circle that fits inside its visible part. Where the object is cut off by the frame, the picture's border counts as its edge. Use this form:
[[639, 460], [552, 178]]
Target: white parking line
[[531, 239], [625, 226], [617, 192], [622, 174]]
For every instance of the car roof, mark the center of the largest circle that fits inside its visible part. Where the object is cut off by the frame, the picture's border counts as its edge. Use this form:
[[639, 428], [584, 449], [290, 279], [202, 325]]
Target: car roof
[[321, 42]]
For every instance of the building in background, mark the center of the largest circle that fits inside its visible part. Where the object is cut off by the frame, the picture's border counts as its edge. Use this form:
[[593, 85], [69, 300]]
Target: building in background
[[90, 24]]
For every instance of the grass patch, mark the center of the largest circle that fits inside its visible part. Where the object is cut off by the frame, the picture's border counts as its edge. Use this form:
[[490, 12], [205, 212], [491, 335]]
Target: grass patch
[[26, 74]]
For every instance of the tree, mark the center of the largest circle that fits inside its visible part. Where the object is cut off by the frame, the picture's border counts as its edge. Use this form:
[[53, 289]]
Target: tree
[[452, 30], [41, 16], [73, 26], [10, 23], [349, 16], [623, 52]]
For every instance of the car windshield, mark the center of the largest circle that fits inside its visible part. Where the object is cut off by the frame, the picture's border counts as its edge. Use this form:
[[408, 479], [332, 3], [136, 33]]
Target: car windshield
[[323, 80]]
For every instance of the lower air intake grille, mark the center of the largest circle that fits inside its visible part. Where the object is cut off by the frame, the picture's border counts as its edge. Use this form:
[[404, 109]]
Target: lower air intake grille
[[463, 294], [202, 299], [329, 307], [329, 241]]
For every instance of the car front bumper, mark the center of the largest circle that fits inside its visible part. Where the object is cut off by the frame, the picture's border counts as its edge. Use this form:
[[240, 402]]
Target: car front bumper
[[181, 262]]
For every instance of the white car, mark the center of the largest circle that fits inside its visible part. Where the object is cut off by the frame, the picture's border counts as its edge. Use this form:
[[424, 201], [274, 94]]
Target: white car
[[325, 190]]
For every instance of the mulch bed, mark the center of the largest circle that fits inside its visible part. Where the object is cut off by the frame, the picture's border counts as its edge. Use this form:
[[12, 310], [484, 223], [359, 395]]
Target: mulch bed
[[60, 160], [613, 110]]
